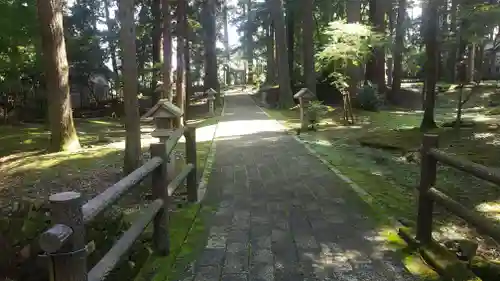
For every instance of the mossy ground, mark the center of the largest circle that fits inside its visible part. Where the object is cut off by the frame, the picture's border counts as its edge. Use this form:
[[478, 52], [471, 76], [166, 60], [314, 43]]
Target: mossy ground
[[372, 154], [28, 175]]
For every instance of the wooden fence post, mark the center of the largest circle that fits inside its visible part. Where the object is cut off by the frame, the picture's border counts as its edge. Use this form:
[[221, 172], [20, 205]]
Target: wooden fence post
[[70, 262], [192, 179], [428, 169], [161, 243]]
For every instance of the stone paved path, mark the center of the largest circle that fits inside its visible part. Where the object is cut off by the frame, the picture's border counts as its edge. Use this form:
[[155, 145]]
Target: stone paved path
[[282, 214]]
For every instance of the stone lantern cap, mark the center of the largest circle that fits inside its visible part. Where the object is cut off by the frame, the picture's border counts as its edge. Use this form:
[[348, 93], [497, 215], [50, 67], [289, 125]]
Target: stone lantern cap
[[211, 93], [159, 87], [304, 93], [164, 109]]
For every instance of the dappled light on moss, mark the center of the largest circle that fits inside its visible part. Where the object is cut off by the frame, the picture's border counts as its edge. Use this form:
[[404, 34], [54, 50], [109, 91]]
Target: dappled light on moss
[[490, 209]]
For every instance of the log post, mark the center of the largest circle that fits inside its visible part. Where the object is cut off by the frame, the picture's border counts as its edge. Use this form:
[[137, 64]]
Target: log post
[[192, 179], [161, 243], [69, 263], [428, 169]]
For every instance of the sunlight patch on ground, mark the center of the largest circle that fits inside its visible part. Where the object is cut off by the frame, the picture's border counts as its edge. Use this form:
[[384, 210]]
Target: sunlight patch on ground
[[490, 209], [486, 94], [41, 162], [479, 117], [450, 232], [483, 135], [146, 141], [247, 127], [323, 142], [205, 133], [415, 112], [495, 142], [202, 134]]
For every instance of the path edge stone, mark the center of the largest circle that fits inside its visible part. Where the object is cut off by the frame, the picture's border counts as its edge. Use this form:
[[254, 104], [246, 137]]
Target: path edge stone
[[202, 185]]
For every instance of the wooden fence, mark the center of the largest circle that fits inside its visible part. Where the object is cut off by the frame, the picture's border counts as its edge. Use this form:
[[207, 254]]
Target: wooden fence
[[64, 242], [428, 194]]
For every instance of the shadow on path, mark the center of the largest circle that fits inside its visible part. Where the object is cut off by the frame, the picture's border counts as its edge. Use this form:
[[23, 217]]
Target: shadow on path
[[282, 214]]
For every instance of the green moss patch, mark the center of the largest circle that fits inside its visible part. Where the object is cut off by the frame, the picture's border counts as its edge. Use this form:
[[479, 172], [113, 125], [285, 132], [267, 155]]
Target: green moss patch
[[27, 179], [373, 154], [187, 237]]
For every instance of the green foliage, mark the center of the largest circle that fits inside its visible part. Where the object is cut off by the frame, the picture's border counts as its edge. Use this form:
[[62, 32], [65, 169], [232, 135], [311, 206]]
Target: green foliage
[[340, 81], [480, 20], [348, 42], [366, 98], [413, 62], [316, 110], [17, 37]]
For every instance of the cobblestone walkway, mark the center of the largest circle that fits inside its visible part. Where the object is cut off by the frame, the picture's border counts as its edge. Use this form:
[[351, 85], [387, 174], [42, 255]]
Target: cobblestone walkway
[[282, 214]]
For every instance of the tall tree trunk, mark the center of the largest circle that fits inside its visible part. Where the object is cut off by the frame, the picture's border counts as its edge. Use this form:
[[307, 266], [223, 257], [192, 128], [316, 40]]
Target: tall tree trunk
[[430, 13], [442, 36], [227, 69], [249, 42], [451, 59], [375, 69], [471, 58], [167, 51], [156, 48], [180, 81], [210, 79], [141, 45], [397, 74], [187, 61], [308, 44], [380, 51], [111, 43], [479, 62], [132, 157], [63, 133], [371, 64], [353, 16], [290, 36], [270, 57], [285, 98], [392, 14]]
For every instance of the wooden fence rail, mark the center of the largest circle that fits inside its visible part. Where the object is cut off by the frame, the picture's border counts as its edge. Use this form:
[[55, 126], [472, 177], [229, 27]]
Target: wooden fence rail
[[64, 243], [428, 194]]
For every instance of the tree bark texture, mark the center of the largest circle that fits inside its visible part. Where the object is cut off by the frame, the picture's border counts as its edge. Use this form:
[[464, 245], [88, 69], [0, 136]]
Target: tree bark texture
[[180, 81], [249, 30], [375, 68], [290, 37], [270, 53], [156, 35], [451, 59], [167, 51], [430, 13], [397, 75], [63, 133], [187, 60], [308, 44], [471, 57], [210, 38], [132, 159], [285, 98], [227, 69]]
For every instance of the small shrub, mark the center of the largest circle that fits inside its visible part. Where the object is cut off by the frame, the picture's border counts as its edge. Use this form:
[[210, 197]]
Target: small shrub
[[316, 110], [366, 98]]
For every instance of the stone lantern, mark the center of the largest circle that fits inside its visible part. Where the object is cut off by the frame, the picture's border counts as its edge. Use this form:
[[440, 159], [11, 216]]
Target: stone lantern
[[304, 96], [211, 100], [164, 114]]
